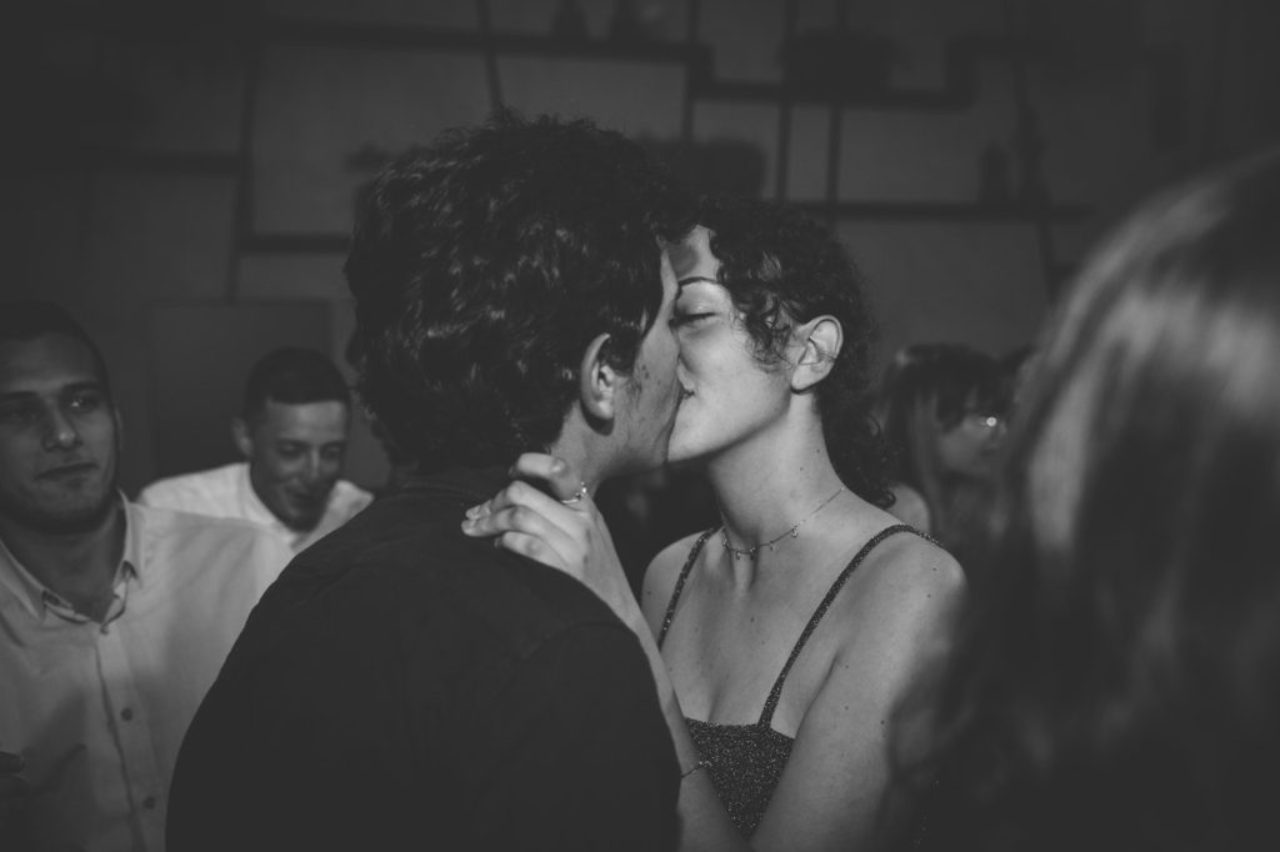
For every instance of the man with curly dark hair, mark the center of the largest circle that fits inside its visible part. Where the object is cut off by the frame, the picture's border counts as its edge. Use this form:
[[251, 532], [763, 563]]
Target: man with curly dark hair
[[402, 682]]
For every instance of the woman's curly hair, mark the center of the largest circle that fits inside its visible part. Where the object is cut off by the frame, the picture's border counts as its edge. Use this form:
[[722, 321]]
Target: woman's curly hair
[[781, 269]]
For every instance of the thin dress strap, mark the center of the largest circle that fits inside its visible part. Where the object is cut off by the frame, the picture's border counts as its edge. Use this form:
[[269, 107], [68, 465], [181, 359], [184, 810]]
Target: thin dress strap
[[771, 703], [684, 575]]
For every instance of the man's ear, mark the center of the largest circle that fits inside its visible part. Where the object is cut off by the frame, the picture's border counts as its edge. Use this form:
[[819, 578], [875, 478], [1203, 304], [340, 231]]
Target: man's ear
[[242, 437], [820, 340], [599, 382]]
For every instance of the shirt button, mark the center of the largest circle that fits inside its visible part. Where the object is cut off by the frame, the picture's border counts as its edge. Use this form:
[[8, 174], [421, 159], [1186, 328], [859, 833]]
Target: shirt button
[[126, 713], [149, 803]]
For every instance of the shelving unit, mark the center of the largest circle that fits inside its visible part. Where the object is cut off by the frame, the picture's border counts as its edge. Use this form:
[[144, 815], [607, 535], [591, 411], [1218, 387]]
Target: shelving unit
[[958, 92], [949, 211], [293, 31], [112, 159]]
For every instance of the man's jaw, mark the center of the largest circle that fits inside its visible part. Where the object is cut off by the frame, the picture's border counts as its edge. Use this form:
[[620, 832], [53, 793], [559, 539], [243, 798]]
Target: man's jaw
[[54, 520], [305, 509]]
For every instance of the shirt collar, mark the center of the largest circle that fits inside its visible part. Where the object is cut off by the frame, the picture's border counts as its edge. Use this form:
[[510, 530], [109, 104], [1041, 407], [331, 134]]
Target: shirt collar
[[35, 596]]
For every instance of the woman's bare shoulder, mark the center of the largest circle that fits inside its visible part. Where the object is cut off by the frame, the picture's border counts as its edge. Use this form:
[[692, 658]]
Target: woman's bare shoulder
[[897, 614], [909, 595], [906, 577], [661, 575], [913, 563]]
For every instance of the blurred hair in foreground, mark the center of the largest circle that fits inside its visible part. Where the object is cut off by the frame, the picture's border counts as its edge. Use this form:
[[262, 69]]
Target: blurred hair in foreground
[[1117, 678]]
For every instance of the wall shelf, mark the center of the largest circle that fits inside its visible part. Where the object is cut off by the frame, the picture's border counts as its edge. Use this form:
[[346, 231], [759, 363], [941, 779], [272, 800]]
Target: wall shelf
[[948, 211], [295, 31], [917, 211], [295, 243], [958, 92], [61, 158], [761, 92]]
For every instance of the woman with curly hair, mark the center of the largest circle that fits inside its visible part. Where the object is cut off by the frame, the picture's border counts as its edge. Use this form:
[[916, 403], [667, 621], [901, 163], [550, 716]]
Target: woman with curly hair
[[780, 639], [1115, 683]]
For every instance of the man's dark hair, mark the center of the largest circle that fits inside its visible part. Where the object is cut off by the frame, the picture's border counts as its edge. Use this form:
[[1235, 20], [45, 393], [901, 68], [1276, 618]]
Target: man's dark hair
[[294, 376], [484, 264], [27, 319]]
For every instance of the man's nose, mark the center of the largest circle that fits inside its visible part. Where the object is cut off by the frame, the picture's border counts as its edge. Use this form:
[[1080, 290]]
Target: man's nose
[[311, 468], [318, 468], [59, 431]]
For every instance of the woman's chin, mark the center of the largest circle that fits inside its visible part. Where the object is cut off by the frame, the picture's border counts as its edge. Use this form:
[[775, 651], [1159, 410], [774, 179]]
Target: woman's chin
[[683, 447]]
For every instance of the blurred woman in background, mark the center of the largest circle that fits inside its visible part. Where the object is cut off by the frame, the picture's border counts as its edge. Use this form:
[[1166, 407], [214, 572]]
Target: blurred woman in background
[[1116, 678], [942, 409]]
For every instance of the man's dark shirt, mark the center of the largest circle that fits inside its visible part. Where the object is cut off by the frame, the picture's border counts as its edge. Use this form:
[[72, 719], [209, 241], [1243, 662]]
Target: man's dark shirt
[[402, 684]]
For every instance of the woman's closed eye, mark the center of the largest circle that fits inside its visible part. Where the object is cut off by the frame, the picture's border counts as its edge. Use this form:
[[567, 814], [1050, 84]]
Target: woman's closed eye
[[684, 318]]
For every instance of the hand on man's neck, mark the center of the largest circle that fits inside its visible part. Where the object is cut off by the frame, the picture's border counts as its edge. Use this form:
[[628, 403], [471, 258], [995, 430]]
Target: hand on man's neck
[[78, 566], [589, 452]]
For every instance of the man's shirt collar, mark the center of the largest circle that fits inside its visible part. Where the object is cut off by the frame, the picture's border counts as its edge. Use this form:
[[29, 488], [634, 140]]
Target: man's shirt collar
[[39, 600]]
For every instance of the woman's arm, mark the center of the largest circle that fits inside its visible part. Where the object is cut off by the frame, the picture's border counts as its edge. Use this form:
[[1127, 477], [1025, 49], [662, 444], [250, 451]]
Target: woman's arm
[[897, 614]]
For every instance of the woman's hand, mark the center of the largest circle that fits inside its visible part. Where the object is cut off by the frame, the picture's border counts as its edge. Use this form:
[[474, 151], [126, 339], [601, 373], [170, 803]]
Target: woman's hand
[[564, 531]]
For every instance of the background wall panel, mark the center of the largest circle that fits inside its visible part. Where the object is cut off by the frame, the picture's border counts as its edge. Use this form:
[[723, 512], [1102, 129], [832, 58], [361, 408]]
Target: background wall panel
[[326, 117], [201, 355]]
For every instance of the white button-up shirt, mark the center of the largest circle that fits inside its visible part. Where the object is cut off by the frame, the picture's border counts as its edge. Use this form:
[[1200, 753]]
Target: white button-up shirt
[[98, 711], [227, 492]]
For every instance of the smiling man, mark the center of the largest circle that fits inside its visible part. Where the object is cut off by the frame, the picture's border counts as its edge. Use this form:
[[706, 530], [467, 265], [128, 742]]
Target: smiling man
[[114, 617], [292, 432]]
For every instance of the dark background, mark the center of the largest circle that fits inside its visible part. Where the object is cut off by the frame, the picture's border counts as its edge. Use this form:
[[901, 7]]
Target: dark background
[[181, 174]]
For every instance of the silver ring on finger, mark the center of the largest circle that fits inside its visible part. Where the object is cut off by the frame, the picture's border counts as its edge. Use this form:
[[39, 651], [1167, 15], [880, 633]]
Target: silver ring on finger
[[577, 496]]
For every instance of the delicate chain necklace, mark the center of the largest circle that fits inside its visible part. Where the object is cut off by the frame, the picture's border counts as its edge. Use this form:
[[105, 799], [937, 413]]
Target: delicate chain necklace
[[794, 532]]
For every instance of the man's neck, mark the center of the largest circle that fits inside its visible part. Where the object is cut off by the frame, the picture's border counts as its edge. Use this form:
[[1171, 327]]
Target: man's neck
[[589, 456], [78, 566]]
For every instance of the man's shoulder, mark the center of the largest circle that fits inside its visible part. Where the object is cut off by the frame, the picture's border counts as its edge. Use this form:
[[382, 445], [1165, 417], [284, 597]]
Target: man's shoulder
[[202, 492], [407, 553], [349, 498]]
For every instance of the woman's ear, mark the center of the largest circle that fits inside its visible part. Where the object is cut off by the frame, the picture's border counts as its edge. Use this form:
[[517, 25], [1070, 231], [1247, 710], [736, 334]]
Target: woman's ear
[[599, 382], [820, 340]]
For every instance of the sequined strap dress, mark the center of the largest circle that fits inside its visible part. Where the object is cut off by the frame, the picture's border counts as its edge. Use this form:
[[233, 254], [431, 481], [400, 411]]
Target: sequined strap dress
[[746, 761]]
